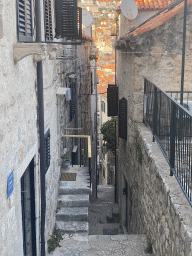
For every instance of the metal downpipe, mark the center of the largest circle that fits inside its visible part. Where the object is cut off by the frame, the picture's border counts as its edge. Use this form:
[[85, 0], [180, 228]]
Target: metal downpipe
[[41, 128]]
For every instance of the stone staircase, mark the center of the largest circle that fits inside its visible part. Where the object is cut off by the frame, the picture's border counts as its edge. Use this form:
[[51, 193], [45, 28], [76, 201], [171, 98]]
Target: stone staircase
[[83, 239], [73, 202]]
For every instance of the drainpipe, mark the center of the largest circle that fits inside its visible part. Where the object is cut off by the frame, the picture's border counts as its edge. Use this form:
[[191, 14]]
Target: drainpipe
[[76, 101], [183, 51], [41, 127], [96, 137]]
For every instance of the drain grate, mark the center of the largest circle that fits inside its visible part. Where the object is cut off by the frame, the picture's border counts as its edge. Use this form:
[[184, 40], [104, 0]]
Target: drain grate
[[110, 231], [68, 176]]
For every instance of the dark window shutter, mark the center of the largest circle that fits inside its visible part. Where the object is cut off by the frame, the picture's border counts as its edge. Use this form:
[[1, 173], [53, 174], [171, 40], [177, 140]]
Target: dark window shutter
[[47, 150], [72, 102], [25, 28], [48, 21], [112, 99], [66, 18], [123, 118], [79, 22]]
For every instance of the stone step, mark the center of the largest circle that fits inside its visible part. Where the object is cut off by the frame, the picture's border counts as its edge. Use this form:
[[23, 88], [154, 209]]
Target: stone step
[[72, 214], [73, 190], [73, 226], [78, 200]]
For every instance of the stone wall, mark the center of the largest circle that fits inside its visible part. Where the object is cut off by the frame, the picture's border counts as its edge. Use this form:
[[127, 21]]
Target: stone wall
[[156, 204], [150, 200], [19, 135]]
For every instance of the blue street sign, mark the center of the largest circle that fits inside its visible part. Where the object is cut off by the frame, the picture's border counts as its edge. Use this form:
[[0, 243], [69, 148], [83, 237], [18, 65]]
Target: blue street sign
[[10, 184]]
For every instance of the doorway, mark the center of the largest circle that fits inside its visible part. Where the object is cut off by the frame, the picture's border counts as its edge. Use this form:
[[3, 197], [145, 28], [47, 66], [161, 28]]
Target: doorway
[[28, 211]]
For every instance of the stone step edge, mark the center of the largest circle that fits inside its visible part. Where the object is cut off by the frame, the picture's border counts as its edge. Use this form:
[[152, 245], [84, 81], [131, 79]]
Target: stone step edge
[[82, 226]]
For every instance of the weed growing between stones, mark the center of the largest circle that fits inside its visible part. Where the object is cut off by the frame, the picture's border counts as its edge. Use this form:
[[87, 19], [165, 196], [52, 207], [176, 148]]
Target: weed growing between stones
[[58, 209], [58, 206], [55, 239], [149, 248], [139, 152]]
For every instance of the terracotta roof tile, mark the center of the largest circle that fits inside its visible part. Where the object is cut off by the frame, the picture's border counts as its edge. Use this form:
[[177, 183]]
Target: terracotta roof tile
[[152, 4], [109, 66], [158, 20]]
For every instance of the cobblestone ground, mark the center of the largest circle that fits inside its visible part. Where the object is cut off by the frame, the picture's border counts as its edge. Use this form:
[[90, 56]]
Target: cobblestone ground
[[97, 244]]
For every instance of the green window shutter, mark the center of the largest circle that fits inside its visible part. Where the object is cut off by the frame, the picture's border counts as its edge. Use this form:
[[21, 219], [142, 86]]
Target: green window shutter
[[66, 18], [25, 27], [48, 20]]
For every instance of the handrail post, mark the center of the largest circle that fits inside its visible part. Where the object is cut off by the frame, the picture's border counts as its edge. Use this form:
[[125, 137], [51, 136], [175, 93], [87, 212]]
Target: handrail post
[[155, 113], [172, 137]]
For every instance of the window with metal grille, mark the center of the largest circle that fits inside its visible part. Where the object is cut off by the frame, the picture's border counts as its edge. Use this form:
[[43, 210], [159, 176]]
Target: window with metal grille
[[68, 19], [112, 99], [47, 150], [123, 118], [24, 20], [72, 102], [48, 20]]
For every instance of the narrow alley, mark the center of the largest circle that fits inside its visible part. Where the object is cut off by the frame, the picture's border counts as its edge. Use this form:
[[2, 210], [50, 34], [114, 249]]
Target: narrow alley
[[92, 230]]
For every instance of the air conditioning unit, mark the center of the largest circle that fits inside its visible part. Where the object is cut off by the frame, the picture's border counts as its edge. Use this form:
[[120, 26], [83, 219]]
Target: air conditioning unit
[[68, 94]]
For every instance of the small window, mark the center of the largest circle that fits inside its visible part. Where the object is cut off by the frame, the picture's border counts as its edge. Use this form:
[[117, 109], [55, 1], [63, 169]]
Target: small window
[[103, 106], [24, 20], [47, 150], [48, 21]]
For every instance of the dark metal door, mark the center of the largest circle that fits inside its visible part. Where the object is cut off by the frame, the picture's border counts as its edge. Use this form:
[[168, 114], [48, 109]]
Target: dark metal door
[[28, 211]]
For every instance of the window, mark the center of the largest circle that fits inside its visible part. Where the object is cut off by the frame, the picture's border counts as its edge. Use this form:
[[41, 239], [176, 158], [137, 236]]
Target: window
[[48, 20], [47, 150], [103, 106], [24, 20]]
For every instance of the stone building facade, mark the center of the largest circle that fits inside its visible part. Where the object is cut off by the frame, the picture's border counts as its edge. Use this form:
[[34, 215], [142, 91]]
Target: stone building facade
[[150, 200], [20, 221]]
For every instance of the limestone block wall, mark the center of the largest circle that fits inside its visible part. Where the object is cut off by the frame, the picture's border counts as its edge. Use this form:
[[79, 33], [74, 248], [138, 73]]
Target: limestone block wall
[[156, 204], [19, 142], [154, 201]]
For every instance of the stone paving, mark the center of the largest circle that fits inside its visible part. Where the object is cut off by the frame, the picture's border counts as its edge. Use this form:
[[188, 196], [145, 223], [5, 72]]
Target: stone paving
[[97, 244], [100, 245]]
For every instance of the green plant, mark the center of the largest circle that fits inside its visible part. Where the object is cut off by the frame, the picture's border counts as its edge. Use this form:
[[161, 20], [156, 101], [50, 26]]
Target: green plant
[[58, 206], [139, 155], [66, 155], [55, 239], [149, 248], [93, 57], [58, 209], [108, 131]]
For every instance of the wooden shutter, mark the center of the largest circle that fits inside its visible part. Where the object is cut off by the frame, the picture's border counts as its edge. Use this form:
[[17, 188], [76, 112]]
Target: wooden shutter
[[48, 21], [79, 22], [123, 118], [47, 150], [66, 18], [112, 99], [25, 27]]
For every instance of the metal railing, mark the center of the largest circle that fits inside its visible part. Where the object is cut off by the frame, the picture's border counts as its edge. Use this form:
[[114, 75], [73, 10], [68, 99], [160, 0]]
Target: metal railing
[[171, 125]]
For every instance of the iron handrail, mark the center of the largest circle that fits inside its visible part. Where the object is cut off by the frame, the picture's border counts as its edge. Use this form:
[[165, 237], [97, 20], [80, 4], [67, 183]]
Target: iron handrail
[[171, 125]]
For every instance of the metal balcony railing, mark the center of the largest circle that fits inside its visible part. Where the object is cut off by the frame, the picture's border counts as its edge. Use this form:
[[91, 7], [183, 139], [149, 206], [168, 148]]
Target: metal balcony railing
[[171, 125]]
